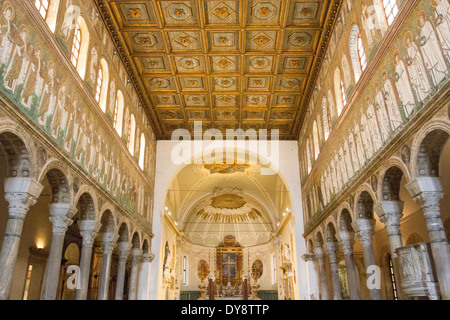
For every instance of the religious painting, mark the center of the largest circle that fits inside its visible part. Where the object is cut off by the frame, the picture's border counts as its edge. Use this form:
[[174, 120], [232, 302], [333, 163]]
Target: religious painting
[[229, 265], [257, 269], [406, 155]]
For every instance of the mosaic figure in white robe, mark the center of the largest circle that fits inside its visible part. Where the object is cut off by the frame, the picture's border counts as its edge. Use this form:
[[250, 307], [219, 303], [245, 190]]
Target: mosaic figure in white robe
[[18, 67], [432, 54], [60, 115], [6, 32], [359, 146], [368, 22], [403, 86], [338, 169], [391, 103], [348, 160], [49, 95], [70, 18], [373, 127], [332, 176], [34, 79], [80, 136], [416, 69], [94, 65], [442, 15], [353, 152], [383, 119], [342, 165], [365, 137], [73, 124]]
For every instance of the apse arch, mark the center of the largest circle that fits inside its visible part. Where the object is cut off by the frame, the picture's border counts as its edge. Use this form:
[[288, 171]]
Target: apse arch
[[286, 169]]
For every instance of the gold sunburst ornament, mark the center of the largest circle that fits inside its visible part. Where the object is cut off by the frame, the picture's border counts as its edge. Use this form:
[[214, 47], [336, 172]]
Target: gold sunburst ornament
[[229, 208]]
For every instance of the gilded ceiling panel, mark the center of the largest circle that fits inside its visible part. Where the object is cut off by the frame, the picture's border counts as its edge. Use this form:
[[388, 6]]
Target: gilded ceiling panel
[[231, 64]]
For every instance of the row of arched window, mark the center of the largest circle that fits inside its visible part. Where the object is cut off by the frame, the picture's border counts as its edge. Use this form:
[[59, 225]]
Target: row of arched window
[[322, 126], [79, 55]]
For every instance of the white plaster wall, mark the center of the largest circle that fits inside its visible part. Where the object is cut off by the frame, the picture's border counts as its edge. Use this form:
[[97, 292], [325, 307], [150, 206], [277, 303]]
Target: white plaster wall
[[166, 170]]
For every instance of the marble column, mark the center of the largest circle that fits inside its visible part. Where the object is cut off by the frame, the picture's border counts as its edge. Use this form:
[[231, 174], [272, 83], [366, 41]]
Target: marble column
[[427, 192], [346, 243], [60, 216], [143, 292], [364, 231], [322, 272], [124, 249], [331, 252], [88, 230], [390, 213], [313, 279], [135, 258], [21, 194], [109, 240]]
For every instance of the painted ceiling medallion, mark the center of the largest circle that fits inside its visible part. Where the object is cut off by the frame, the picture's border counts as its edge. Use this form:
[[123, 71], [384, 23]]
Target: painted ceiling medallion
[[290, 83], [223, 63], [299, 39], [264, 11], [195, 99], [260, 63], [145, 40], [185, 40], [223, 39], [179, 11], [261, 39], [189, 63], [222, 11], [160, 83], [225, 99], [255, 99], [135, 12], [225, 82]]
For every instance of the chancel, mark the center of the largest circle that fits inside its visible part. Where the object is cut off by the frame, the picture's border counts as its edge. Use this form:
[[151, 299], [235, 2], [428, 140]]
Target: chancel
[[224, 150]]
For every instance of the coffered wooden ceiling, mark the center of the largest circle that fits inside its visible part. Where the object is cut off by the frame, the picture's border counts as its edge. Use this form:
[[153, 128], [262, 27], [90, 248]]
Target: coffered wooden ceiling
[[231, 64]]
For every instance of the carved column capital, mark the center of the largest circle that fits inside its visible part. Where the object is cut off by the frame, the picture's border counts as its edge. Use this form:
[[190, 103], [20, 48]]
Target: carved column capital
[[89, 231], [308, 257], [347, 246], [147, 257], [426, 191], [123, 250], [331, 250], [390, 213], [136, 255], [109, 240], [365, 237], [318, 252], [21, 194], [19, 204], [60, 216]]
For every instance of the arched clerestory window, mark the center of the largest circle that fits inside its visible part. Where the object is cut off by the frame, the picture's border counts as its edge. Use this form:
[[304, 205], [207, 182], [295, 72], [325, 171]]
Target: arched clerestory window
[[48, 9], [132, 135], [101, 92], [142, 152], [339, 91], [390, 11], [80, 47], [308, 155], [326, 120], [357, 53], [316, 140], [118, 113]]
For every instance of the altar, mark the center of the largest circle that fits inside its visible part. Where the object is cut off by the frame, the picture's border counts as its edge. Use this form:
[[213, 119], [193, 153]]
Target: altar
[[227, 281]]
